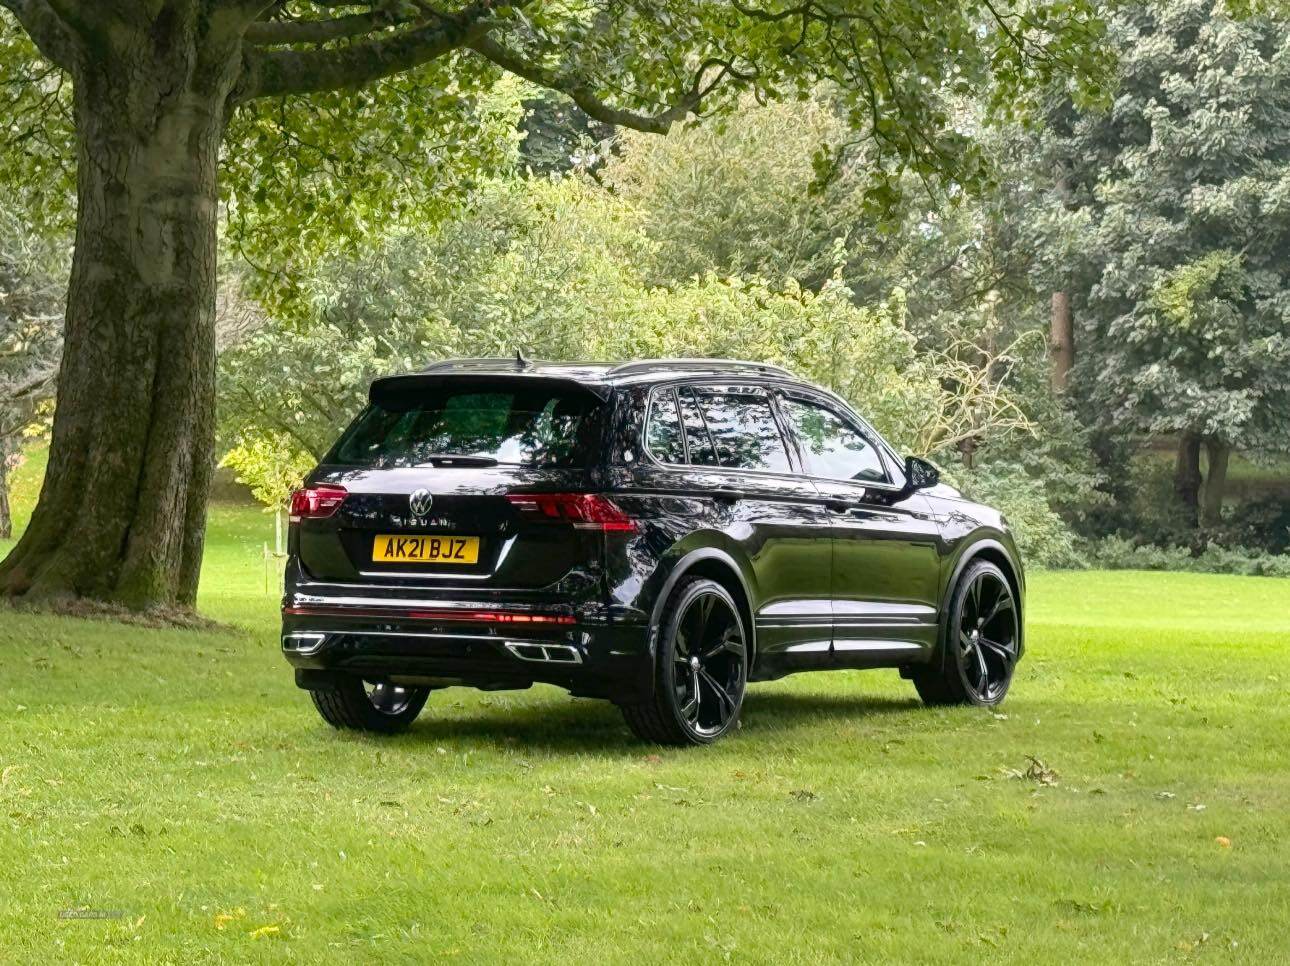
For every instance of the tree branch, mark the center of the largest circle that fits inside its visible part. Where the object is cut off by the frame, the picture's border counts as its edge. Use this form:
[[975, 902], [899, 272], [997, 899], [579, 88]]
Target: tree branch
[[46, 29], [280, 72], [582, 94], [320, 31], [32, 385]]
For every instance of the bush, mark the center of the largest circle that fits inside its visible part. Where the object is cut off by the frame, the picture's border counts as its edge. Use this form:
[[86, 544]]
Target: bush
[[1263, 523], [1117, 553], [1043, 537]]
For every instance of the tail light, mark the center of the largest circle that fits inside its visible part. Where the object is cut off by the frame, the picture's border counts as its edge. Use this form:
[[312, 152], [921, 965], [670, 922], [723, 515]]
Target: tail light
[[587, 511], [316, 502]]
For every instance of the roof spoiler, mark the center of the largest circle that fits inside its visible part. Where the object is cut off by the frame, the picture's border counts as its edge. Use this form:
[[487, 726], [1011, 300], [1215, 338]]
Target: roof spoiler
[[385, 387]]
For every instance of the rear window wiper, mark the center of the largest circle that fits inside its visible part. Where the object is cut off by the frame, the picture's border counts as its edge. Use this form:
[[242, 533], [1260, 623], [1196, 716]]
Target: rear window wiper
[[459, 459]]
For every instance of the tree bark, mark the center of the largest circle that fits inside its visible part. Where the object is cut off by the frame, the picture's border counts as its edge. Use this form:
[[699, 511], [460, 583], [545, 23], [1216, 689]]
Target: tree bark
[[1218, 452], [1187, 475], [121, 516], [1061, 341]]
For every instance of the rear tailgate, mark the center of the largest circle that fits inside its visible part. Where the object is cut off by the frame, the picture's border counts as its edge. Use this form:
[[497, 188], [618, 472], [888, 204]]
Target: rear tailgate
[[469, 514], [427, 469]]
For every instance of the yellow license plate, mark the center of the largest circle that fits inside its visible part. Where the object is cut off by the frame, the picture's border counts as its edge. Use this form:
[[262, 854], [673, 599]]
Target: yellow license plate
[[423, 548]]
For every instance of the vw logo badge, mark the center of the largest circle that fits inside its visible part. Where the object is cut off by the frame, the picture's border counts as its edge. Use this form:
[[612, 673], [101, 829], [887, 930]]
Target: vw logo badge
[[420, 502]]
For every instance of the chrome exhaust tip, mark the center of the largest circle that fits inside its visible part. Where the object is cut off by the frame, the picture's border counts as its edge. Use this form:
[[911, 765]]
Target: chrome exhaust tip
[[302, 642], [545, 653]]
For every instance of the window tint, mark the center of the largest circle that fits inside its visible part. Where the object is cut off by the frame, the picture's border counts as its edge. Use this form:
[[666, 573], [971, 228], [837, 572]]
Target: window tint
[[744, 430], [696, 431], [833, 449], [663, 434], [528, 426]]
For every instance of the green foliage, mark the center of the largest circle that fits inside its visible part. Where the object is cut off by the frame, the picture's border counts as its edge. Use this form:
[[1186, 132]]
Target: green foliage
[[549, 267], [37, 141], [272, 466], [1045, 539], [314, 177], [1186, 182], [743, 198]]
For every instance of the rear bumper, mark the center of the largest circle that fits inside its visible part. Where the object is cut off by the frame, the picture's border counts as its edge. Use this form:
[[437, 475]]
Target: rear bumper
[[330, 630]]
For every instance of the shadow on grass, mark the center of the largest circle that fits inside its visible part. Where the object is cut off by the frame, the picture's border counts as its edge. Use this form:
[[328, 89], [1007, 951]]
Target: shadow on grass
[[586, 725]]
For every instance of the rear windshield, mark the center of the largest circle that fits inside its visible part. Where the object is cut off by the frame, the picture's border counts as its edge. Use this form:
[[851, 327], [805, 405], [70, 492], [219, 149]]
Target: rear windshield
[[524, 425]]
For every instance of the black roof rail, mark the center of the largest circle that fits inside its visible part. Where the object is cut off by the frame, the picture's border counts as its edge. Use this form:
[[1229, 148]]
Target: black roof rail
[[495, 362], [706, 365]]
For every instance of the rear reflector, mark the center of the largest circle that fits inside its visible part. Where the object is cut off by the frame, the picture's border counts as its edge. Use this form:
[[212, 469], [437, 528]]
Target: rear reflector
[[587, 511], [447, 614], [316, 502]]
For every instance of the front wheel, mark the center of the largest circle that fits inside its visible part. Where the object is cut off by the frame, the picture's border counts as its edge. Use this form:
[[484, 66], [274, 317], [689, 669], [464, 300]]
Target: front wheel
[[369, 706], [701, 671], [982, 637]]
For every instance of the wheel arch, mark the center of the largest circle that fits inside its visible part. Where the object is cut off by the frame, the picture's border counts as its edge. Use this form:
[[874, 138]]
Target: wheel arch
[[996, 553], [714, 564]]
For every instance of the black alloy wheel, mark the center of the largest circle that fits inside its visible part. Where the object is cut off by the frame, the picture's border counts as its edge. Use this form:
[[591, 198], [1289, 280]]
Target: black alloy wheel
[[370, 705], [702, 669], [982, 640]]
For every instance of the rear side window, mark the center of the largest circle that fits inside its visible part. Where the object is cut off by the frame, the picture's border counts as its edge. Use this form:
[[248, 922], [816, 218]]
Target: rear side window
[[663, 434], [524, 425], [744, 430], [833, 448]]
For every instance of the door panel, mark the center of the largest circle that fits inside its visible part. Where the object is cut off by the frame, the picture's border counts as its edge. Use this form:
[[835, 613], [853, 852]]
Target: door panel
[[886, 558], [886, 567]]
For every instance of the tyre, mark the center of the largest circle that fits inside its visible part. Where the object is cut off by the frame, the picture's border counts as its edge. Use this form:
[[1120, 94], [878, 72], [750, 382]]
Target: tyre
[[365, 706], [979, 651], [701, 671]]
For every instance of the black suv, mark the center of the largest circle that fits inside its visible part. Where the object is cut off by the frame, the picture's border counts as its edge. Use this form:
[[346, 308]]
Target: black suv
[[655, 533]]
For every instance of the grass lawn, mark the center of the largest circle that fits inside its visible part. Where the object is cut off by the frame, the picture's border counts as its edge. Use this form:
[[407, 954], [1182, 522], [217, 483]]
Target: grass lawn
[[181, 779]]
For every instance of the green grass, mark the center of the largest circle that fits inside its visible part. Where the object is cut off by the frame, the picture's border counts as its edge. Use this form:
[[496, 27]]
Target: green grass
[[180, 778], [24, 488]]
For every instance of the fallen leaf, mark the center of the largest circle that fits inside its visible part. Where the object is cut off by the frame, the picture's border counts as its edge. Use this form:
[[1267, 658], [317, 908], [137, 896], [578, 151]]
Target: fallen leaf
[[1224, 841], [222, 919]]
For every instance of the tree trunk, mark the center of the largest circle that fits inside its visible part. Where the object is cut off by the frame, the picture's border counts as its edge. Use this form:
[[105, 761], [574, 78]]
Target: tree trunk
[[1061, 341], [122, 513], [1215, 481], [1187, 475]]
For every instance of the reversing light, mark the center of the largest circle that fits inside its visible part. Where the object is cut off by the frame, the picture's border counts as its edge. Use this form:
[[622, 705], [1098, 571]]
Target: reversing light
[[316, 502], [586, 511]]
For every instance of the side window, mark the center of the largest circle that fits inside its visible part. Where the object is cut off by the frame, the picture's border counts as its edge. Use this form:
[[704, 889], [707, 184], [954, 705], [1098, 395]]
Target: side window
[[696, 431], [663, 434], [744, 430], [833, 449]]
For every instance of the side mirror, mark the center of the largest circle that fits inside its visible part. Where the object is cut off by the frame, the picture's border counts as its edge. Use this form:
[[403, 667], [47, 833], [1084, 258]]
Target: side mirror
[[920, 473]]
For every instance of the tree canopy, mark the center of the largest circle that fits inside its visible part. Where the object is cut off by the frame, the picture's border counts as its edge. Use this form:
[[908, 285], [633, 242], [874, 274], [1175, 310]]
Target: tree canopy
[[313, 121], [1182, 205]]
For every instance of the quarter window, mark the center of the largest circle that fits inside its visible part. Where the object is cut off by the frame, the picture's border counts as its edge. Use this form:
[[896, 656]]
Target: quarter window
[[744, 430], [697, 439], [663, 434], [832, 447]]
